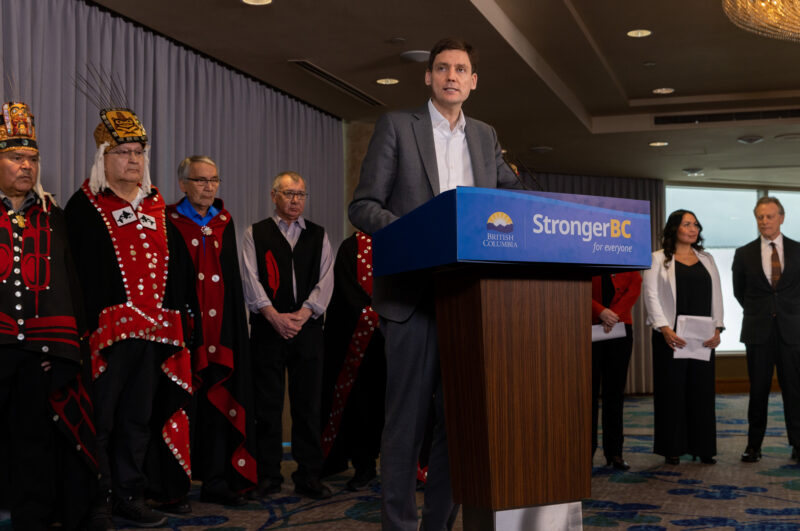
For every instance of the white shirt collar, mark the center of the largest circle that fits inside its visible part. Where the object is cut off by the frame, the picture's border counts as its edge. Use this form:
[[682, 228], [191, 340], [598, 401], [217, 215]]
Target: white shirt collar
[[280, 221], [439, 121], [778, 241]]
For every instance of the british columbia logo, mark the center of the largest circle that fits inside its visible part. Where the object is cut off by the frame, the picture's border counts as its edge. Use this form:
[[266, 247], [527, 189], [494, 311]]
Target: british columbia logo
[[499, 231], [500, 222]]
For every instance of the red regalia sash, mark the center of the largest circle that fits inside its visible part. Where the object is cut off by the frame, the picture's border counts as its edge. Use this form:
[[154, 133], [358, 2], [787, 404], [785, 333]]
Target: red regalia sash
[[359, 341], [140, 244], [205, 246]]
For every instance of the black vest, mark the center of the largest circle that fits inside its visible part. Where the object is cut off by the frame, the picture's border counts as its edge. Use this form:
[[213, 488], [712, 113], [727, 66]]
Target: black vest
[[275, 258]]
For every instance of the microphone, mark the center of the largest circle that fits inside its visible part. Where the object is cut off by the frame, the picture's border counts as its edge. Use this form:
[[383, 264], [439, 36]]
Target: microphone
[[515, 165]]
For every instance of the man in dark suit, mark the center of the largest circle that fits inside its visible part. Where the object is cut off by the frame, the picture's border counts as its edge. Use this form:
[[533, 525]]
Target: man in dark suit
[[766, 282], [412, 157]]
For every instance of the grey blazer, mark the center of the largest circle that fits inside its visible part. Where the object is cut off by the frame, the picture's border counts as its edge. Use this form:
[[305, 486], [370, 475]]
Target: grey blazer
[[399, 173]]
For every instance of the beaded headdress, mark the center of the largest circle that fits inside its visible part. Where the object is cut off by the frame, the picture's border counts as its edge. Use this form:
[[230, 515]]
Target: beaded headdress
[[118, 123]]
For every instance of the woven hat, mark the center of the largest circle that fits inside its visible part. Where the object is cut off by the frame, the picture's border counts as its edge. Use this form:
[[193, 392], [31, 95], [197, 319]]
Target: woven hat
[[119, 126], [118, 123], [17, 128]]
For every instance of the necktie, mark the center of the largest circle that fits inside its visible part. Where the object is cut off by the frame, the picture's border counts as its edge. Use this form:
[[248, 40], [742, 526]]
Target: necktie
[[776, 266]]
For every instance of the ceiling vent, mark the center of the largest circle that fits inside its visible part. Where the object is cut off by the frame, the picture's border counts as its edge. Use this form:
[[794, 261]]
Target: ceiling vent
[[340, 84], [726, 117]]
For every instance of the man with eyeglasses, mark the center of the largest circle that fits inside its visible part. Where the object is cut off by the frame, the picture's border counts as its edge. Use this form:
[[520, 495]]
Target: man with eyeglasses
[[223, 445], [288, 281], [41, 394], [141, 305]]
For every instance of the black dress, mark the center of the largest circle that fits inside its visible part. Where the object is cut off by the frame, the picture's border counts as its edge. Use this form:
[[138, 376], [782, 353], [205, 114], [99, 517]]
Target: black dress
[[685, 421]]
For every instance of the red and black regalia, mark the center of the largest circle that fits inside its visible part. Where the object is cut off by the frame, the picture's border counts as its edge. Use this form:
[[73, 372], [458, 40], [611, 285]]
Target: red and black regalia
[[53, 472], [140, 302], [49, 467], [223, 443], [354, 377]]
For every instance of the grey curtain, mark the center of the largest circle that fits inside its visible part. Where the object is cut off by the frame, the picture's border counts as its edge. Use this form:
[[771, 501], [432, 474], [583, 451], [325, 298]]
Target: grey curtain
[[640, 374], [188, 104]]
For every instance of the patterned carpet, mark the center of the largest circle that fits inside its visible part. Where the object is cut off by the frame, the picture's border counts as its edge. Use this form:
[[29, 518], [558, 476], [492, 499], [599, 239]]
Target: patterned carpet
[[651, 496]]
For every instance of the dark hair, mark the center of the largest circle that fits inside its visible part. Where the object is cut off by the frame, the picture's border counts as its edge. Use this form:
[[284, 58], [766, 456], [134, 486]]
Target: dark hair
[[670, 234], [767, 200], [451, 43]]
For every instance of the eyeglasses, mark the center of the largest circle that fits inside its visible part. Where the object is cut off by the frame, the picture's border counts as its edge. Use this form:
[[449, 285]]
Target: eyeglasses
[[202, 182], [137, 153], [291, 194]]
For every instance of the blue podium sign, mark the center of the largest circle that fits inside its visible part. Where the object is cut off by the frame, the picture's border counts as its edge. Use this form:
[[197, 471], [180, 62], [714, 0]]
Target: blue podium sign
[[489, 225]]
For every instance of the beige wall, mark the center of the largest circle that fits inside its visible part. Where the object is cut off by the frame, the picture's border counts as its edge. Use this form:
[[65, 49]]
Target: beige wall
[[356, 140]]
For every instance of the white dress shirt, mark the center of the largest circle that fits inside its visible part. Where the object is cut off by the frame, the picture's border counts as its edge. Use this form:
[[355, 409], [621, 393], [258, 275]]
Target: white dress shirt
[[766, 255], [254, 295], [452, 153]]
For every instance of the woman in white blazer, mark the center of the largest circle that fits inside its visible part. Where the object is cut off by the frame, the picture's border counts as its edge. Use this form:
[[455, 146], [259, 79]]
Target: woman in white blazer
[[682, 280]]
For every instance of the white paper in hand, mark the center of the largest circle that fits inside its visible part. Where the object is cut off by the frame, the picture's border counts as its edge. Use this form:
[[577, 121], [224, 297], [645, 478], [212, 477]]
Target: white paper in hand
[[695, 330], [599, 333]]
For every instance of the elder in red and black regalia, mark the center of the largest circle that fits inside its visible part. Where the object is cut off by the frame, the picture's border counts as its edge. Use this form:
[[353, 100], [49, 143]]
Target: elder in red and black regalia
[[354, 376], [222, 420], [45, 412], [140, 302], [288, 280]]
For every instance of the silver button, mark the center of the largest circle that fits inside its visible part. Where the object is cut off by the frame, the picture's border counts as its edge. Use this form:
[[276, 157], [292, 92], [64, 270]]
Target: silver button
[[20, 337], [18, 306]]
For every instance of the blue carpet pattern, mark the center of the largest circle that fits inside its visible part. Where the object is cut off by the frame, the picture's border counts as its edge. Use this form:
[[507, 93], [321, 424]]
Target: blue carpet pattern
[[651, 496]]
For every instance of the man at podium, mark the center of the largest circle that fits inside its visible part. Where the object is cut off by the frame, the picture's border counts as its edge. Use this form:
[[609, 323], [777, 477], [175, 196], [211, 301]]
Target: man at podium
[[412, 157]]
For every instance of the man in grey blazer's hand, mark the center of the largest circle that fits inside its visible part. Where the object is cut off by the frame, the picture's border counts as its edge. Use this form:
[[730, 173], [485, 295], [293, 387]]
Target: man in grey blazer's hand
[[412, 157]]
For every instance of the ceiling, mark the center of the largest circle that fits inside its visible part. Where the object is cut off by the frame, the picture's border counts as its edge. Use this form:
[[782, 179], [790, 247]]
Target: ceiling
[[556, 73]]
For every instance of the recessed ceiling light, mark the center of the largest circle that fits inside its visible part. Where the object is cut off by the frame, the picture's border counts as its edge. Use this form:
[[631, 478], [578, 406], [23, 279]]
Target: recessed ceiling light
[[387, 81], [750, 139], [663, 90], [639, 33], [257, 2], [418, 56], [658, 143], [693, 172]]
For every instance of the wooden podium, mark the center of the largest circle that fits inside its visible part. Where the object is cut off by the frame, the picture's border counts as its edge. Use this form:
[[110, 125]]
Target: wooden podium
[[513, 312]]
